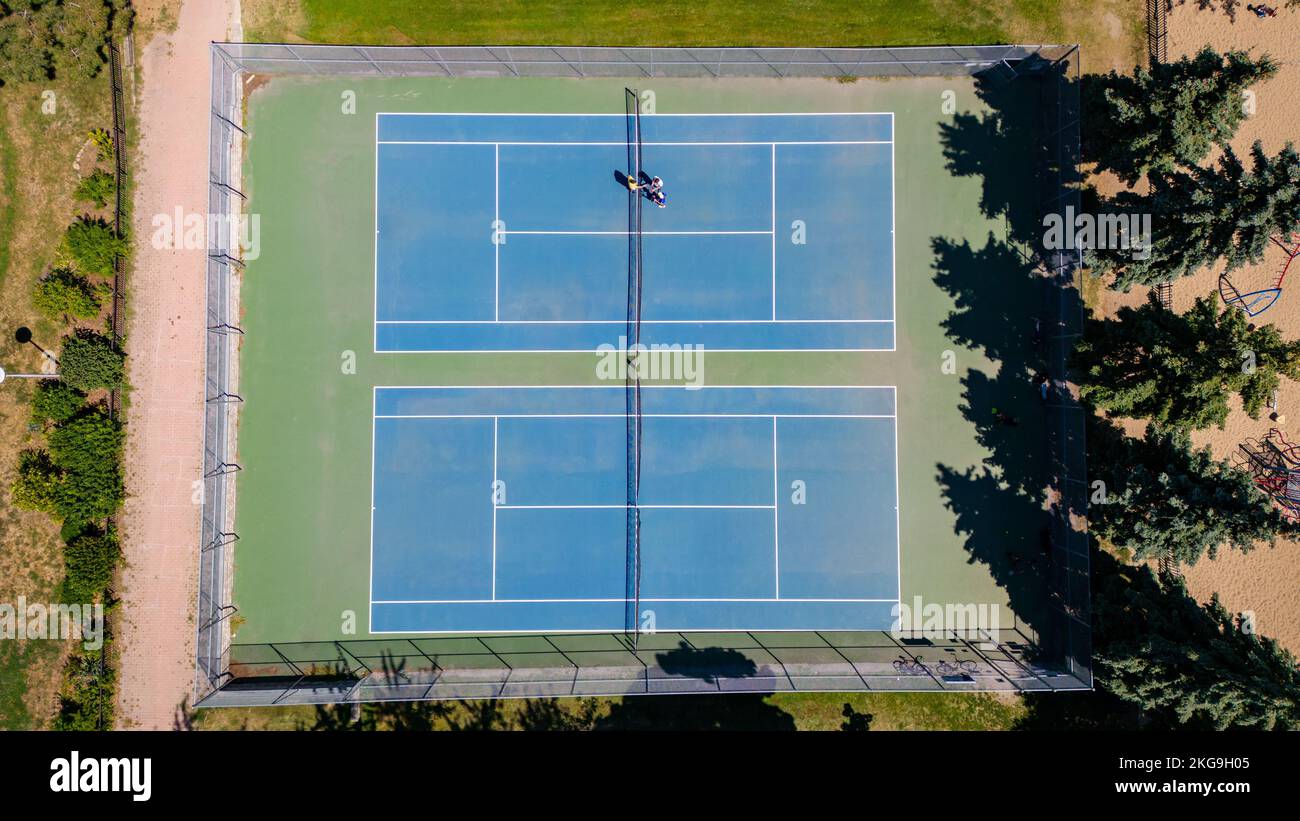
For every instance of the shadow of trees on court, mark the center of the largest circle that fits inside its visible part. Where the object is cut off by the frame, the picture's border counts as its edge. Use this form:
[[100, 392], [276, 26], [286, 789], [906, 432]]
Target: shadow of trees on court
[[998, 145], [1002, 325]]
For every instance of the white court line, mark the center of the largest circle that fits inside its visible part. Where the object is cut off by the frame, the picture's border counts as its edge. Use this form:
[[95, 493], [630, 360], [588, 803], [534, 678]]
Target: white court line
[[494, 507], [638, 507], [644, 322], [623, 144], [496, 220], [526, 351], [893, 234], [375, 339], [624, 114], [643, 233], [370, 612], [773, 232], [624, 600], [776, 512], [644, 416], [620, 386], [898, 496]]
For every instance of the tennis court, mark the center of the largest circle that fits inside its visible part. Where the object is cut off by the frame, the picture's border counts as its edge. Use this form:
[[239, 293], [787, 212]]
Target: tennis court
[[507, 232], [784, 496], [505, 509]]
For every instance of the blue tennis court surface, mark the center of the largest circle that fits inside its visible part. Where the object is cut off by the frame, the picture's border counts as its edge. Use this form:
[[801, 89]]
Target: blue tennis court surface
[[509, 232], [503, 509]]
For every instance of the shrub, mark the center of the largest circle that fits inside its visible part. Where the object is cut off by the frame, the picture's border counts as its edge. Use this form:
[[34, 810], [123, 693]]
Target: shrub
[[98, 188], [93, 246], [103, 144], [88, 700], [88, 450], [90, 360], [56, 402], [63, 292], [89, 562], [38, 484]]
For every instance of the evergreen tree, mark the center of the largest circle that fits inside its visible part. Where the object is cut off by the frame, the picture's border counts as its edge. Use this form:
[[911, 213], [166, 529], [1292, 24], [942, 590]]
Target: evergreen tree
[[1164, 498], [1270, 205], [1169, 115], [1178, 370], [1203, 215], [1193, 665]]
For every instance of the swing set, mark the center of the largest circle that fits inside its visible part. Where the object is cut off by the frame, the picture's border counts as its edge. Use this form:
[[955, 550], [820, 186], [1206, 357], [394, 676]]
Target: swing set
[[1255, 303]]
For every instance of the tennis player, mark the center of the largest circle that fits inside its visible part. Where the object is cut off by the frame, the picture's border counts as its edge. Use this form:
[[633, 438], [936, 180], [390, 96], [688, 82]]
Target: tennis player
[[655, 192], [653, 187]]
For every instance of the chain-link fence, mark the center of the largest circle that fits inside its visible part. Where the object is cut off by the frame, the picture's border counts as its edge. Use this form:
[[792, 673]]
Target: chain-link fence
[[220, 400], [548, 61], [1069, 636], [608, 664]]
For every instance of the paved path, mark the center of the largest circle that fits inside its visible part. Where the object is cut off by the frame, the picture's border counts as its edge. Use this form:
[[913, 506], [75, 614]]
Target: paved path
[[160, 522]]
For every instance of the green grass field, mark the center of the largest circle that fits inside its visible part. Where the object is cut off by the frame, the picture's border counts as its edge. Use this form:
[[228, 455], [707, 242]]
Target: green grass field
[[783, 711], [1111, 30]]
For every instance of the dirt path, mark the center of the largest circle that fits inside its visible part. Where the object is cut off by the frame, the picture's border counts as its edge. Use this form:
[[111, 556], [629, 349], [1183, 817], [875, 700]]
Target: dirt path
[[1265, 582], [160, 522]]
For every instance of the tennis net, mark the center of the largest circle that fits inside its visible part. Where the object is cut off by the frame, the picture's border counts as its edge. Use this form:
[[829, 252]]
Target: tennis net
[[632, 379]]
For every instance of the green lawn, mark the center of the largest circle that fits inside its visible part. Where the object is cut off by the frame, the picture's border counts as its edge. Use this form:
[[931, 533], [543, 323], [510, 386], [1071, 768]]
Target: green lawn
[[784, 711], [1111, 30], [670, 22]]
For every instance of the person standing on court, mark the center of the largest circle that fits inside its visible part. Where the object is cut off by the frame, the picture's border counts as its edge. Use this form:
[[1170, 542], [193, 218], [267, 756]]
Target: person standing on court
[[653, 187]]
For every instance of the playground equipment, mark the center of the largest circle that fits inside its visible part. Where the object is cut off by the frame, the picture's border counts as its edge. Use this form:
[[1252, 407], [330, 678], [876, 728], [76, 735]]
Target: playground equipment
[[1255, 303], [1274, 464]]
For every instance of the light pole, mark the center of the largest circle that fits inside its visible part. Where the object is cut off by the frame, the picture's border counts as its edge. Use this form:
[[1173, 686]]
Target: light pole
[[6, 375]]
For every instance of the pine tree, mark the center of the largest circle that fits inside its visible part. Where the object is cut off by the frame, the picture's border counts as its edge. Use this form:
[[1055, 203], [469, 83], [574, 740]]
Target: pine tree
[[1195, 666], [1270, 205], [1164, 498], [1178, 370], [1203, 215], [1169, 115]]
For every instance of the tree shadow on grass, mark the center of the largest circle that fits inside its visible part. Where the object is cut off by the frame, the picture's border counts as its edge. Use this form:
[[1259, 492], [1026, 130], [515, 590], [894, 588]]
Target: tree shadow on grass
[[701, 711], [704, 711]]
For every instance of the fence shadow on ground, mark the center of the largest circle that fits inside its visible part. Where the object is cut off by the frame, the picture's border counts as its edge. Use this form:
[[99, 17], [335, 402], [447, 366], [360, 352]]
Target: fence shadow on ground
[[721, 711]]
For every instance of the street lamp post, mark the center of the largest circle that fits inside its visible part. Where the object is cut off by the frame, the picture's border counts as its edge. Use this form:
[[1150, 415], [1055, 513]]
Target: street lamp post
[[6, 375]]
